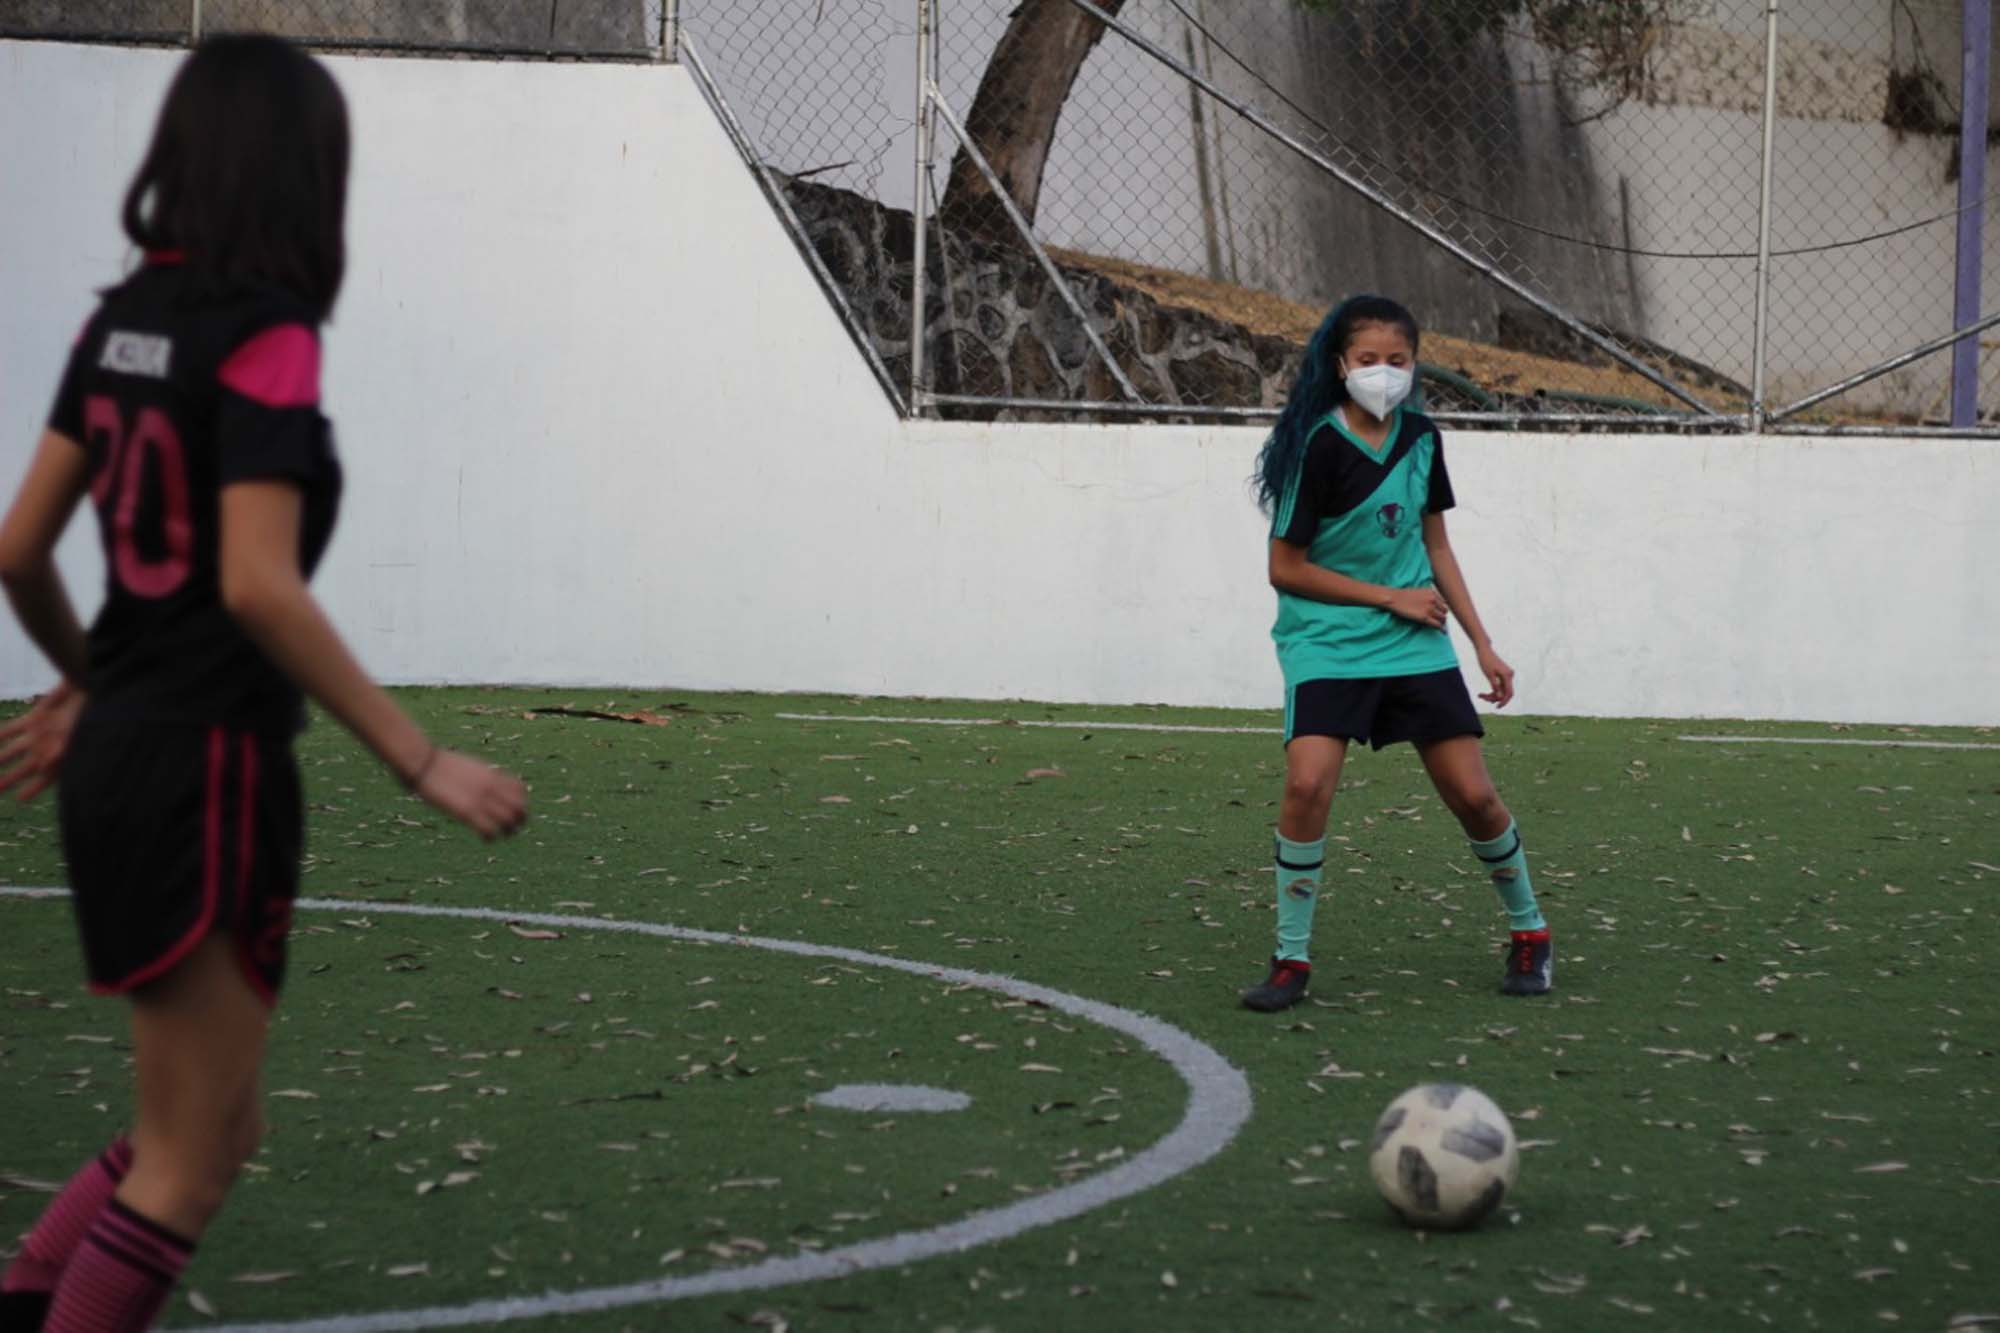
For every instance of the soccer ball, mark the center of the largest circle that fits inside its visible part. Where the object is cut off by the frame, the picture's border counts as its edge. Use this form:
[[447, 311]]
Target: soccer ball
[[1443, 1156]]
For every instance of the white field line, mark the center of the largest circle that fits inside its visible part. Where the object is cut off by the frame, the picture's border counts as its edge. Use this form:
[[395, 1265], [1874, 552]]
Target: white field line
[[1166, 727], [1841, 740], [1173, 729], [1218, 1104]]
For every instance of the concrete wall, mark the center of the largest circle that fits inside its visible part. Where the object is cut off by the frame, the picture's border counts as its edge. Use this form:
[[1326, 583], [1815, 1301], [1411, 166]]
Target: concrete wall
[[602, 429]]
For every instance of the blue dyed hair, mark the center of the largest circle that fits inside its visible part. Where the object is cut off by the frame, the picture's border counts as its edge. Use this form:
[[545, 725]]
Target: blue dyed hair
[[1320, 388]]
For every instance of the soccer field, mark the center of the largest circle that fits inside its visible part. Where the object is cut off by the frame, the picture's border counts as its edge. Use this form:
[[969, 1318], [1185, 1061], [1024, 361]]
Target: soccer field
[[1763, 1093]]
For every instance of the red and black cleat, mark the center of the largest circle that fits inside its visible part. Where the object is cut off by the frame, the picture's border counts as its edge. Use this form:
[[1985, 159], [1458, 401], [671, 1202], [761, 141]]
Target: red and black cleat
[[1285, 987], [1531, 963]]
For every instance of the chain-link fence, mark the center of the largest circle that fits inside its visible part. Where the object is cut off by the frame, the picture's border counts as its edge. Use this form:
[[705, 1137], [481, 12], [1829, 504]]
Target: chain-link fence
[[1143, 207], [1166, 196], [594, 29]]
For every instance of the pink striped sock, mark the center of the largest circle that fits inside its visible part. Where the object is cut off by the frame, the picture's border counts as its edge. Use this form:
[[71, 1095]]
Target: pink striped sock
[[121, 1276], [62, 1225]]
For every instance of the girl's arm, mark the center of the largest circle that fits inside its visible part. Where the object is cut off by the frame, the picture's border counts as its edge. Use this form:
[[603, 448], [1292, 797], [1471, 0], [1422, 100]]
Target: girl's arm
[[264, 590], [1451, 582], [56, 482], [1292, 572], [32, 745]]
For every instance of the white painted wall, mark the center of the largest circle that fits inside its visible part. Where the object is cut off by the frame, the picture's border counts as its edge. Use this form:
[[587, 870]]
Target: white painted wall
[[602, 429]]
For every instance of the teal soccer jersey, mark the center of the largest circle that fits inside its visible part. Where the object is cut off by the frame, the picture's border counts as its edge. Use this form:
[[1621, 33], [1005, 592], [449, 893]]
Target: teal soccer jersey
[[1359, 511]]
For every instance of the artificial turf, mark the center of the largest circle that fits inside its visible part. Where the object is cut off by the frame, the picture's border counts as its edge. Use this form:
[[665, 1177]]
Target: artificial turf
[[1764, 1091]]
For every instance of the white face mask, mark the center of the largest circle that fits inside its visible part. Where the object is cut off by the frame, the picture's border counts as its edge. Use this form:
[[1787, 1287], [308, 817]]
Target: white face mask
[[1378, 389]]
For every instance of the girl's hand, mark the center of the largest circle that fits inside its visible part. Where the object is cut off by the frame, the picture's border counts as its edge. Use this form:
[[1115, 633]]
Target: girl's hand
[[32, 745], [1423, 605], [491, 803], [1499, 675]]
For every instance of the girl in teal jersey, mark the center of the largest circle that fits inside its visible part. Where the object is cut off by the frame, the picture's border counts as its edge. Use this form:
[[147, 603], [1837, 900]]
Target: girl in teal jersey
[[1356, 486]]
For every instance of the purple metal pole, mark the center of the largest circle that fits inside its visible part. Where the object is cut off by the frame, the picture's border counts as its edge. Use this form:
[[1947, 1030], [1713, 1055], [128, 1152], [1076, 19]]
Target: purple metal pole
[[1977, 28]]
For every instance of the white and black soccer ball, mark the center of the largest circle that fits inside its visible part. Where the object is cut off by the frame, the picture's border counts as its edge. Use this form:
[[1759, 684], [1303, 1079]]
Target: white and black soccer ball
[[1444, 1156]]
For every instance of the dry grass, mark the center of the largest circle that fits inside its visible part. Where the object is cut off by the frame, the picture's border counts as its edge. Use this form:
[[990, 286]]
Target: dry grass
[[1494, 368]]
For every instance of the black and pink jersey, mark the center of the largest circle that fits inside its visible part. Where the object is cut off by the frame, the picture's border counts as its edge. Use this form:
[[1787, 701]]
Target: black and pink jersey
[[177, 387]]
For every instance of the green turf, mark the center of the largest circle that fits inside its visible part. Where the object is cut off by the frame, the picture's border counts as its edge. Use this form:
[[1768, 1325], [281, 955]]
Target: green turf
[[1774, 973]]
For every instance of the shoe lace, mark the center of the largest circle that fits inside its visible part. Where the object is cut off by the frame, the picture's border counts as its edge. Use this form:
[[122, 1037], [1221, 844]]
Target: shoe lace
[[1282, 975], [1524, 956]]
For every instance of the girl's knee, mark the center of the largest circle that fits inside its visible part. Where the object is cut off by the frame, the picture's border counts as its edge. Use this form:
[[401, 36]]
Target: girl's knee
[[1310, 788], [1479, 808]]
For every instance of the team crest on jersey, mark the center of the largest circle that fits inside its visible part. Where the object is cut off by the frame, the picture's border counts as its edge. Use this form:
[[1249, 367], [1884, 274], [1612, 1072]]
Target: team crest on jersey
[[137, 354], [1391, 517]]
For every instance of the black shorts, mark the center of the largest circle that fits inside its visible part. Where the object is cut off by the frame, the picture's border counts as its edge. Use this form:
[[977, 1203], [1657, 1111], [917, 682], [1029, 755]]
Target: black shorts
[[1382, 710], [173, 833]]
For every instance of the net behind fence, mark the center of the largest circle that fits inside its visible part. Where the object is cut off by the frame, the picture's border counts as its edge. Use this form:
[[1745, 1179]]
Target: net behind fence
[[1146, 205], [1567, 193]]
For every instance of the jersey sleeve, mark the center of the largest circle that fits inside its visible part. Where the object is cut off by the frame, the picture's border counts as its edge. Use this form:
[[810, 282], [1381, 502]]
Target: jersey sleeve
[[1441, 497], [66, 417], [1303, 505], [268, 422]]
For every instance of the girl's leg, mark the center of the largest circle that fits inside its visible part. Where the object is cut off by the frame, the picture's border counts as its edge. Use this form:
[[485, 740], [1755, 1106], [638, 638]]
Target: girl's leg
[[198, 1037], [1457, 768], [31, 1278], [1312, 771]]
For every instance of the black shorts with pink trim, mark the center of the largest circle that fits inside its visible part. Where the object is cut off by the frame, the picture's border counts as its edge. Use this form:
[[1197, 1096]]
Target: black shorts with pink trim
[[174, 833]]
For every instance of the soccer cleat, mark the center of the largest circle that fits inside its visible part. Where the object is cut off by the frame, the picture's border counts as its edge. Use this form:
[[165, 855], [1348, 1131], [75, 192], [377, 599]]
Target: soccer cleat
[[1531, 963], [1285, 987], [23, 1311]]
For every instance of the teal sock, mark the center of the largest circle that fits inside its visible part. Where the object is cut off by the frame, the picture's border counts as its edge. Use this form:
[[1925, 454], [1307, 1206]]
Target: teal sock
[[1507, 861], [1299, 866]]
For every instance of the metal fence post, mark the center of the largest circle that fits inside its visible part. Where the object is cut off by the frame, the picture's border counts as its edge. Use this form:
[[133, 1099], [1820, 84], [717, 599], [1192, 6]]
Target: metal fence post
[[1761, 333], [194, 23], [670, 31], [1976, 28], [926, 21]]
